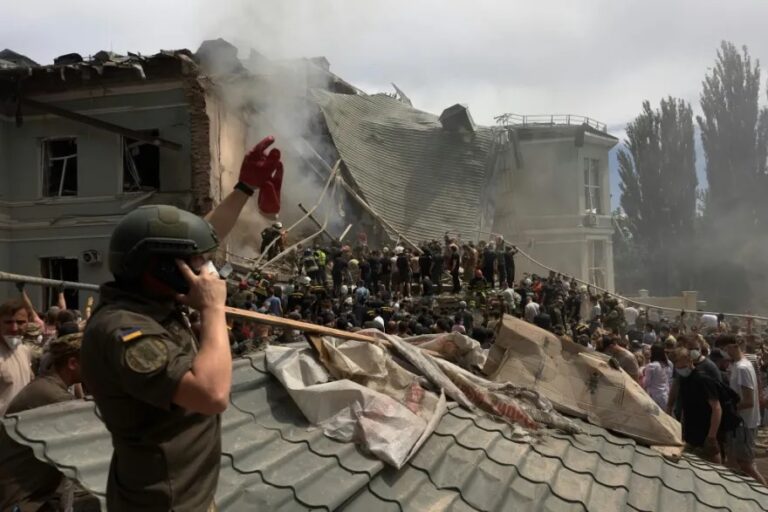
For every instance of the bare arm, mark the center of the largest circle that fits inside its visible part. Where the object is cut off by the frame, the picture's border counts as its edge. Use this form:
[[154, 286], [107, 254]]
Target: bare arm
[[205, 387], [61, 300], [714, 422], [224, 216], [672, 396], [28, 303], [747, 398]]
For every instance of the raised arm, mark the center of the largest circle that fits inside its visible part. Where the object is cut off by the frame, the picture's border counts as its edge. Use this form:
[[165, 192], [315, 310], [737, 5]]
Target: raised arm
[[259, 170]]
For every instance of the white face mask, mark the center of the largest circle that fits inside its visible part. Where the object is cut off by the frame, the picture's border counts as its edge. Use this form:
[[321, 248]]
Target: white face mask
[[12, 341], [684, 372], [695, 355]]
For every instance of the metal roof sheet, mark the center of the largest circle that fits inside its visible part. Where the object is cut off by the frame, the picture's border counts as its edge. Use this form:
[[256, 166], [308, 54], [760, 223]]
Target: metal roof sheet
[[421, 178], [273, 460]]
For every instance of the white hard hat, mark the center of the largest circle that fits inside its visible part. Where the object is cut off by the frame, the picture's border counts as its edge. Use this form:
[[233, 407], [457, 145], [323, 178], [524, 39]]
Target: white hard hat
[[348, 301], [399, 249], [344, 289], [305, 280], [278, 225], [385, 250]]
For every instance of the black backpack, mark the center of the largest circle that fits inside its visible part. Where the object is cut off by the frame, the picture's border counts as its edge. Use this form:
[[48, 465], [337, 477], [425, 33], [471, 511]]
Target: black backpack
[[729, 402]]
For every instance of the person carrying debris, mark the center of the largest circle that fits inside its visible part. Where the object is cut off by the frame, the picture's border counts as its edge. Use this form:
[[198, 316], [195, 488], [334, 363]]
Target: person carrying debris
[[158, 390]]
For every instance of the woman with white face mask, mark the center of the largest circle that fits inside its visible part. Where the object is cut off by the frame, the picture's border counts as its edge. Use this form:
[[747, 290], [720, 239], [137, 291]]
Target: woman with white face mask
[[15, 358]]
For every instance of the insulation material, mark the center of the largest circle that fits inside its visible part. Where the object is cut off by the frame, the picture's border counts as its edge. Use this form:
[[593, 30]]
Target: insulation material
[[378, 404], [577, 382], [455, 347]]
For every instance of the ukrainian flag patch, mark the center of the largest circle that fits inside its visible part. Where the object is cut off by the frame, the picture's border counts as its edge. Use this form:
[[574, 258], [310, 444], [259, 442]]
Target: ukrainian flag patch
[[127, 335]]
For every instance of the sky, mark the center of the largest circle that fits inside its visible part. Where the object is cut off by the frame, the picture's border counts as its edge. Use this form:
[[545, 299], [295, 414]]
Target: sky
[[596, 58]]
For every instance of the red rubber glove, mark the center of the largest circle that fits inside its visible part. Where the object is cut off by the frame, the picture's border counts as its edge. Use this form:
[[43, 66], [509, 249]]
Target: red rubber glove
[[269, 193], [258, 166], [265, 172]]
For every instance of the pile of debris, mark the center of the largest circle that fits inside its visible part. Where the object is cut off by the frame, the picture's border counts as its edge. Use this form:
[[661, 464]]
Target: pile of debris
[[387, 393]]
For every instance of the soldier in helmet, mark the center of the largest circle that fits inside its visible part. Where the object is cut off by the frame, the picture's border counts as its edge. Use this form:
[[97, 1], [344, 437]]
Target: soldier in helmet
[[159, 388]]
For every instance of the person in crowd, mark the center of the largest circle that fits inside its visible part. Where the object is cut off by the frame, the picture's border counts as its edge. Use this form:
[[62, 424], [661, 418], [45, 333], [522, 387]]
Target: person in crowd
[[273, 304], [656, 381], [531, 309], [15, 357], [740, 442], [626, 359], [701, 409], [454, 264], [489, 264], [649, 335], [25, 481]]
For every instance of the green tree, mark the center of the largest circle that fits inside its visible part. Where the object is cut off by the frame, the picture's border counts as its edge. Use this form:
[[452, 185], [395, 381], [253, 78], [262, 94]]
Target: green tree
[[658, 193], [734, 133]]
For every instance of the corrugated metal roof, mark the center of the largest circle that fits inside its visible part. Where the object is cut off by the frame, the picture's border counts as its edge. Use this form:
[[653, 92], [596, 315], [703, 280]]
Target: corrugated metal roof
[[272, 460], [421, 178]]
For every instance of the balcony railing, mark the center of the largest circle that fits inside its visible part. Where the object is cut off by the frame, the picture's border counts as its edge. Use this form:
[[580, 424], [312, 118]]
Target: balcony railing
[[549, 120]]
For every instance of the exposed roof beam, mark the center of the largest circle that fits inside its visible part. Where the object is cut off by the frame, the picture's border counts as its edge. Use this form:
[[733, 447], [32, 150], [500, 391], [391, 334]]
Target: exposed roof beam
[[98, 123]]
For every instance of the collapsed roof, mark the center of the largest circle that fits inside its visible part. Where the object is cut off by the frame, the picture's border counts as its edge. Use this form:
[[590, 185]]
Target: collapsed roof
[[423, 178]]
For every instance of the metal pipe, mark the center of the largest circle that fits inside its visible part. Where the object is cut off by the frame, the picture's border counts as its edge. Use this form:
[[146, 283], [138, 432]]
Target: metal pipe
[[18, 278], [316, 223]]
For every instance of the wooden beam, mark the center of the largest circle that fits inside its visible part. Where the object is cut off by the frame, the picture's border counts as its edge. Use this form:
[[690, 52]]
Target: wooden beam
[[306, 327], [98, 123]]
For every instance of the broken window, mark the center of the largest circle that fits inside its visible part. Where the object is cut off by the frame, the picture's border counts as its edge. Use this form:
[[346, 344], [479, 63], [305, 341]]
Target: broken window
[[592, 186], [141, 164], [60, 167], [60, 269], [597, 259]]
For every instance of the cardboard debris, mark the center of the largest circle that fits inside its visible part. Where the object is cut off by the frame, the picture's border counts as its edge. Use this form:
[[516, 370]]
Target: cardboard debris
[[578, 382]]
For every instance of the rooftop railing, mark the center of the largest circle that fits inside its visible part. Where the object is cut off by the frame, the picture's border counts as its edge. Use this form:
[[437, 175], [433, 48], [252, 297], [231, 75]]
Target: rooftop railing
[[549, 120]]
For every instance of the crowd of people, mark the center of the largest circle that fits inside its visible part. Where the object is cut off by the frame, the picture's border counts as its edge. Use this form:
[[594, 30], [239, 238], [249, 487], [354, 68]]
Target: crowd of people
[[708, 373]]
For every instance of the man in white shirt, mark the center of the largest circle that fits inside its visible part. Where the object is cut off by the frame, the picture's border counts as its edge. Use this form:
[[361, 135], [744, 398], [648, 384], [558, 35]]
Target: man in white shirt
[[531, 309], [15, 358], [740, 442], [630, 316]]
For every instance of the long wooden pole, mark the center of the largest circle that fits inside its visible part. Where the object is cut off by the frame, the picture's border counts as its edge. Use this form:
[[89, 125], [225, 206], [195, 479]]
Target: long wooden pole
[[306, 327]]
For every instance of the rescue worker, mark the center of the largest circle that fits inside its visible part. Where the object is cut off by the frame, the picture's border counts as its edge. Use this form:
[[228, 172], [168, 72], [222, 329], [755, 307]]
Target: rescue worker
[[309, 264], [272, 240], [160, 390]]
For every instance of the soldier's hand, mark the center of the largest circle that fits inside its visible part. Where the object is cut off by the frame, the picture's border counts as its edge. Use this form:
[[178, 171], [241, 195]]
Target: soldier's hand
[[206, 290]]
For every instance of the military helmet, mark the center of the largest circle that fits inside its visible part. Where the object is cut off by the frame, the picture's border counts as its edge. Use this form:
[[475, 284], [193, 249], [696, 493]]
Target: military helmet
[[157, 230]]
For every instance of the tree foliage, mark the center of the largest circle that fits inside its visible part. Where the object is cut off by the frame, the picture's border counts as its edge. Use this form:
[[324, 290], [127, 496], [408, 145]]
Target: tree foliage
[[734, 131], [658, 191]]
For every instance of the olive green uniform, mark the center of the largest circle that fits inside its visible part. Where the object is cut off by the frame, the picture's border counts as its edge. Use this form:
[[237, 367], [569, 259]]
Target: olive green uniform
[[134, 354]]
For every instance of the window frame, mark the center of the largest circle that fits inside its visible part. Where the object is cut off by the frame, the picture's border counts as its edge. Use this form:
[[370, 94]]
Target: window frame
[[592, 186], [45, 166]]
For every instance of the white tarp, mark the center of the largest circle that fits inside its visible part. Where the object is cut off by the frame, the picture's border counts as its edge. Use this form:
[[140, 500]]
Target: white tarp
[[384, 409]]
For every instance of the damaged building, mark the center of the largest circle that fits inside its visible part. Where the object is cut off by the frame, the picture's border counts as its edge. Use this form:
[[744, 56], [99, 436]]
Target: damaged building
[[86, 139]]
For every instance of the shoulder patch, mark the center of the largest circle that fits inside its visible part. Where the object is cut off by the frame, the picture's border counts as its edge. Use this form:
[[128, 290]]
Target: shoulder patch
[[130, 334], [147, 355]]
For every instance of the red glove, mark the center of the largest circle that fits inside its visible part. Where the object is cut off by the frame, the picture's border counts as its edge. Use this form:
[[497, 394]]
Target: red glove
[[265, 172], [269, 193]]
